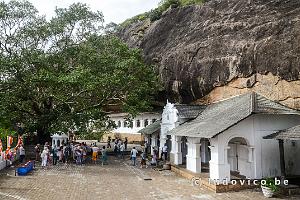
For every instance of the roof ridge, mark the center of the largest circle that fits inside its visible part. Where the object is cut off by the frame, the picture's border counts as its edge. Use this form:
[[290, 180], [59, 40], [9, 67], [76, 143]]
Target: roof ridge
[[230, 98], [257, 95]]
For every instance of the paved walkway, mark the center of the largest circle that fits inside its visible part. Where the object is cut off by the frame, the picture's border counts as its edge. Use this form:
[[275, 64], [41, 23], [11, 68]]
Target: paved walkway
[[118, 180]]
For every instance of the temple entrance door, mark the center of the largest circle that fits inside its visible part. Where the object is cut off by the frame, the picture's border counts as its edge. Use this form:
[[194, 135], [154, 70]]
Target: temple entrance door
[[238, 157], [183, 149], [205, 154]]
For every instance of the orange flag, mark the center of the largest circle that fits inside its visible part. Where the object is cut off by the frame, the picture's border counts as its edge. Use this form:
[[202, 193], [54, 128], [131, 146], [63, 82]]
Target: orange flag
[[1, 147], [20, 141], [9, 141]]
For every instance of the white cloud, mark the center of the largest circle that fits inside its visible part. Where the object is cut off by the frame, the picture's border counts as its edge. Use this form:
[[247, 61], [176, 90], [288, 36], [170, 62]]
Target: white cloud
[[113, 10]]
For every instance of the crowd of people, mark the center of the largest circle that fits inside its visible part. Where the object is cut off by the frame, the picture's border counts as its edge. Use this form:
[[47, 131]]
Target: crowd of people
[[119, 147], [81, 153], [69, 152]]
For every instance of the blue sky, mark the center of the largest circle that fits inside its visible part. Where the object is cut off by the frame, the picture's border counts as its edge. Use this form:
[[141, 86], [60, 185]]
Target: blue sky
[[113, 10]]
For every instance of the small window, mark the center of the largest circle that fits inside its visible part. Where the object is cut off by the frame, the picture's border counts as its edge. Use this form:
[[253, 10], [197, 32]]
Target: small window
[[119, 124], [168, 118], [153, 120], [125, 124], [146, 122], [138, 123]]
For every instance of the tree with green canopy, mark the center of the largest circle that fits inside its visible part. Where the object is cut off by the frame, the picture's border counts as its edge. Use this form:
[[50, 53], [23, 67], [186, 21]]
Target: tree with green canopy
[[63, 73]]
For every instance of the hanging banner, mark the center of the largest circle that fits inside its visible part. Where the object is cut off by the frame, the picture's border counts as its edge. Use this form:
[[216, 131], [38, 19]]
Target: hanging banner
[[7, 153], [9, 141], [20, 141]]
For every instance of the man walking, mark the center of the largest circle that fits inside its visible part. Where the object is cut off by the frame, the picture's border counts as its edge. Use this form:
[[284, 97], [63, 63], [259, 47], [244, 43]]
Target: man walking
[[122, 149], [125, 143], [37, 150], [133, 154], [54, 155], [165, 151], [22, 153], [108, 142], [104, 156]]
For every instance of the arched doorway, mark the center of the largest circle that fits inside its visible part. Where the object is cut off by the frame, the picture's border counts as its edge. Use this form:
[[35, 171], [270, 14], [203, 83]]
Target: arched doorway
[[238, 157]]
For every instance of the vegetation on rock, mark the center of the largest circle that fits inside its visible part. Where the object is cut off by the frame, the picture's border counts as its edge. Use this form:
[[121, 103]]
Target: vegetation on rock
[[155, 14]]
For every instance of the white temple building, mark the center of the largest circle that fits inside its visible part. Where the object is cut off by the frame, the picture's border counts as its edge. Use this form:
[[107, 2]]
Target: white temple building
[[58, 139], [173, 116], [231, 136], [130, 129]]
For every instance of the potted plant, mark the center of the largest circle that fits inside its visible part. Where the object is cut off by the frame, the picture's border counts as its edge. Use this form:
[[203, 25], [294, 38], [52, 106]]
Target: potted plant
[[269, 187]]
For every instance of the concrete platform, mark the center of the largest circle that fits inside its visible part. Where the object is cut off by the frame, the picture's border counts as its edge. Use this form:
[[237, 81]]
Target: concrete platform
[[202, 180]]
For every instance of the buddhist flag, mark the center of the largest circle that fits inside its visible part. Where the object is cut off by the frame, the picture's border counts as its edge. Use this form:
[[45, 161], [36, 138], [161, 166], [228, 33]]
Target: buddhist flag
[[20, 141], [9, 141], [1, 147]]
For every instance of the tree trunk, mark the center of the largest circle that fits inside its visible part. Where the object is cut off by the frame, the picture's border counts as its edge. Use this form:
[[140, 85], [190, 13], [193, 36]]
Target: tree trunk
[[43, 135]]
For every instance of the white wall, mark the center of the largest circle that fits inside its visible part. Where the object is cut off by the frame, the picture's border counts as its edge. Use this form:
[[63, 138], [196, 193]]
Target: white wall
[[134, 130], [268, 160], [2, 164], [265, 159], [245, 130], [292, 158]]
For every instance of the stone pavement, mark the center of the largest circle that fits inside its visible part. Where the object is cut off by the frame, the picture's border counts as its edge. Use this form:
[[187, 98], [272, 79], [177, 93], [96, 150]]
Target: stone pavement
[[118, 180]]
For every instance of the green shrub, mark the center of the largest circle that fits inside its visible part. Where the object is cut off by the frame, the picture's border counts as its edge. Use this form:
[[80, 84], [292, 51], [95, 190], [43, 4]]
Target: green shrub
[[270, 183], [155, 14], [191, 2], [165, 4]]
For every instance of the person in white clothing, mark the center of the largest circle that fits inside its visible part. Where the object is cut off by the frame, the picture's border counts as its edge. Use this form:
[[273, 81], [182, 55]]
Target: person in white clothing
[[22, 153], [44, 157], [122, 149]]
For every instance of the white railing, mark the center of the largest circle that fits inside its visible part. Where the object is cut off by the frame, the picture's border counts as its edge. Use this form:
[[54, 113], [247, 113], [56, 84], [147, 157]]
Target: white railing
[[2, 163], [5, 163]]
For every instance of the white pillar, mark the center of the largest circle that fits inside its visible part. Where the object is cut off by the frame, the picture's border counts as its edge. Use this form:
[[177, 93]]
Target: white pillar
[[163, 141], [219, 169], [53, 142], [193, 159], [153, 142], [176, 154], [250, 153]]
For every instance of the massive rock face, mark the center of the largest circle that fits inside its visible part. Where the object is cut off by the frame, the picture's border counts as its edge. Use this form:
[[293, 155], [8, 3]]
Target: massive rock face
[[202, 48]]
